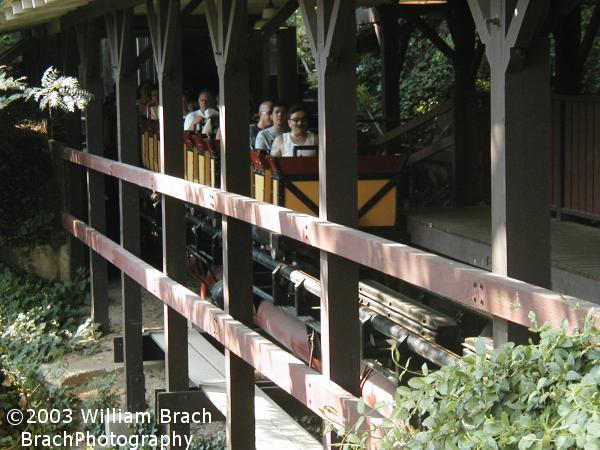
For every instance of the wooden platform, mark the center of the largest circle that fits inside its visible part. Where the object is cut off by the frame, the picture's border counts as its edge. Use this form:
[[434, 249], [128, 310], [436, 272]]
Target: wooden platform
[[465, 235], [275, 429]]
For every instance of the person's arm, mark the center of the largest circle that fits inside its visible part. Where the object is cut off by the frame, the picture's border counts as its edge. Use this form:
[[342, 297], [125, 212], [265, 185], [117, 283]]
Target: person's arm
[[261, 142], [188, 122], [276, 150], [191, 120]]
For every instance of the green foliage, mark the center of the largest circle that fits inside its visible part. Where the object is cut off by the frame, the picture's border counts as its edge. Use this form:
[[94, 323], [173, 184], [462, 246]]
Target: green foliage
[[60, 92], [209, 441], [146, 428], [106, 396], [427, 77], [13, 88], [202, 439], [537, 396], [39, 321], [303, 47]]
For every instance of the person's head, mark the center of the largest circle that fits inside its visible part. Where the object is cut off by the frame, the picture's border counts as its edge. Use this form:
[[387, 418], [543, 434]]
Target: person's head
[[154, 97], [264, 114], [206, 99], [298, 120], [144, 90], [279, 114]]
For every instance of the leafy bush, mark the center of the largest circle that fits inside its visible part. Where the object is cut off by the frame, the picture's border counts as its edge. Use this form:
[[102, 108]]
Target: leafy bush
[[39, 320], [537, 396], [209, 441], [106, 396]]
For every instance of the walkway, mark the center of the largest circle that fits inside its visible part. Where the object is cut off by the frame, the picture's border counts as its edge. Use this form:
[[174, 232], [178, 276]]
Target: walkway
[[465, 235]]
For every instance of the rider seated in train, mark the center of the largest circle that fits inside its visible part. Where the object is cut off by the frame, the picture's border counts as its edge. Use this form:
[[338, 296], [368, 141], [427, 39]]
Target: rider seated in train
[[265, 138], [144, 96], [264, 121], [298, 136], [195, 120], [152, 105]]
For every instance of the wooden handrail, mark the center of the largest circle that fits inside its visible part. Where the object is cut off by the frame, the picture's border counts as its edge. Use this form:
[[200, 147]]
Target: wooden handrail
[[313, 389], [416, 122], [489, 293]]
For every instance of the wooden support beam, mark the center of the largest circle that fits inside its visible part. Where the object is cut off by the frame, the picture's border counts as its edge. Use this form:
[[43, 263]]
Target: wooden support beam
[[190, 8], [287, 61], [258, 40], [122, 51], [74, 176], [95, 10], [429, 32], [227, 22], [88, 40], [393, 43], [331, 29], [520, 141], [164, 21]]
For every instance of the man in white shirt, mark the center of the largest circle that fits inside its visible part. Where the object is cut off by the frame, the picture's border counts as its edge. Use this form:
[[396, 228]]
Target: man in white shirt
[[298, 136], [196, 119]]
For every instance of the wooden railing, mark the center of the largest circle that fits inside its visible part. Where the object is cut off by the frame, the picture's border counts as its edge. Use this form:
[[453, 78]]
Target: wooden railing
[[488, 293], [454, 135]]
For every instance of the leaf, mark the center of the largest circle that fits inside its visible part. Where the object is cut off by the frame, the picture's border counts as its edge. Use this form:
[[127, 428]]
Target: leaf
[[417, 383], [480, 347], [527, 441], [593, 429], [572, 376], [360, 406]]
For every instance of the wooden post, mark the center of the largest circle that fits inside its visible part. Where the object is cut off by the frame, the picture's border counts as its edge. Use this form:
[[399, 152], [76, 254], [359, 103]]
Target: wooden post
[[88, 40], [164, 22], [386, 28], [228, 29], [466, 58], [520, 141], [265, 70], [122, 49], [256, 77], [287, 76], [74, 175], [331, 28]]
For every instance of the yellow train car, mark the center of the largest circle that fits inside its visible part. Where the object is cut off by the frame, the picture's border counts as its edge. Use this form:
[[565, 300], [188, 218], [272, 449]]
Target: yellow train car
[[149, 144], [260, 176], [293, 182]]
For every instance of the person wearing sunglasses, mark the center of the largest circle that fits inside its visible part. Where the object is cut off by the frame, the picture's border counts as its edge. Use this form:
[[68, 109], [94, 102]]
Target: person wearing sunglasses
[[299, 136]]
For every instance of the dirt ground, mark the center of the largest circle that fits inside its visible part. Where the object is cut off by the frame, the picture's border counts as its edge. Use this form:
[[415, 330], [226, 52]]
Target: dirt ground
[[77, 369]]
